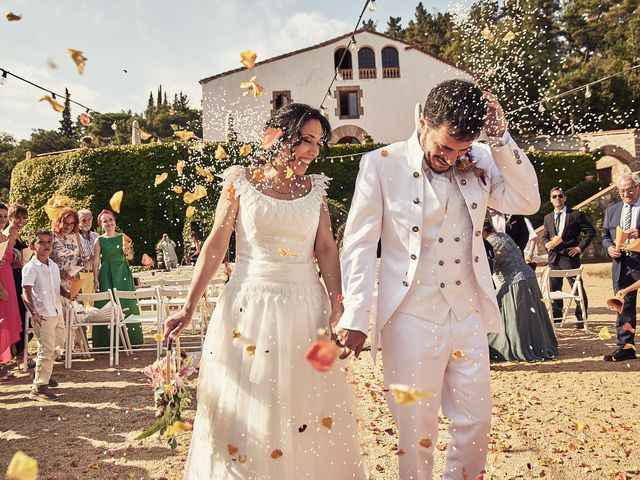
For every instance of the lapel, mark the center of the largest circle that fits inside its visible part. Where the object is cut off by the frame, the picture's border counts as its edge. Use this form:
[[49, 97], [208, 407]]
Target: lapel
[[617, 213], [425, 191]]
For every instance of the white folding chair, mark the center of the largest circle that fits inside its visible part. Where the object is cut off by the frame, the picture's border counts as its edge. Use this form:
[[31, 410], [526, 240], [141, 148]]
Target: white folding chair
[[79, 316], [181, 283], [172, 299], [575, 294], [146, 315]]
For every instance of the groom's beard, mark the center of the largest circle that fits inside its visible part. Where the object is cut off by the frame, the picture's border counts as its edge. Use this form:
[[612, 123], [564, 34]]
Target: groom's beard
[[85, 229]]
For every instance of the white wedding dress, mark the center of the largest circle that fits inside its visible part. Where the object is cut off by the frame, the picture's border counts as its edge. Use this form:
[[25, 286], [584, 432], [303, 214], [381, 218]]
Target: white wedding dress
[[261, 405]]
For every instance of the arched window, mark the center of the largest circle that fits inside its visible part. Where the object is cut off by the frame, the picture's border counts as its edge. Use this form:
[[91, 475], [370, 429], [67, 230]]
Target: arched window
[[346, 67], [366, 63], [390, 63]]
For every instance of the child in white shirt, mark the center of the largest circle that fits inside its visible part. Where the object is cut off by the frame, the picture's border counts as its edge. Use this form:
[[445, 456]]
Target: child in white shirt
[[42, 297]]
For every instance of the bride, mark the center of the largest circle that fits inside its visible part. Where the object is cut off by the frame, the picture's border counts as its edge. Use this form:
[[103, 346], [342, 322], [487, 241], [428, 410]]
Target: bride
[[263, 412]]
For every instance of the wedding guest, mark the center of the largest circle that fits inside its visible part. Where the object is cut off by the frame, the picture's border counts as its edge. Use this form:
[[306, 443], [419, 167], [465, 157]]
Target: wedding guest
[[42, 296], [87, 240], [513, 225], [67, 251], [168, 247], [426, 198], [625, 266], [531, 248], [194, 249], [569, 225], [111, 270], [256, 392], [10, 326], [18, 216], [527, 332]]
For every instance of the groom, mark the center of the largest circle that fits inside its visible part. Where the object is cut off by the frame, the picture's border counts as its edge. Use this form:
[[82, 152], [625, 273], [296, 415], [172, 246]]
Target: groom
[[426, 199]]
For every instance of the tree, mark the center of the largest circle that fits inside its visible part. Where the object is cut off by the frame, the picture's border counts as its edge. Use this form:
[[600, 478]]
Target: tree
[[66, 125], [159, 98], [369, 25], [432, 33], [602, 38], [7, 162], [394, 27], [150, 106]]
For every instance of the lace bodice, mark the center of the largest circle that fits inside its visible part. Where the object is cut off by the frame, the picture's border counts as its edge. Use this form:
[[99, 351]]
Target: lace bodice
[[273, 230], [508, 265]]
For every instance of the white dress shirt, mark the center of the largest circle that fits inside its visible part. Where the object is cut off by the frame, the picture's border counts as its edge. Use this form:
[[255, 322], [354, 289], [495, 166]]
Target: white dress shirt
[[45, 280], [563, 219], [635, 208]]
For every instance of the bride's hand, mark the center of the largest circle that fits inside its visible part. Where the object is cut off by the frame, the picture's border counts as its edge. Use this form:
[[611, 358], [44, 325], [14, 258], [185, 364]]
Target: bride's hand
[[336, 312], [176, 323]]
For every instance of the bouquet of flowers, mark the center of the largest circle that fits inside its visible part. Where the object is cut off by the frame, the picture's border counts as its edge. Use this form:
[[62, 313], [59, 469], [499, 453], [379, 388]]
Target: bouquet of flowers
[[167, 377]]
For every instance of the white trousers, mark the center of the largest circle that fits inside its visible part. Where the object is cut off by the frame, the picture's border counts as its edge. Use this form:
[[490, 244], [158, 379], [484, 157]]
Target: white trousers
[[419, 353], [49, 333]]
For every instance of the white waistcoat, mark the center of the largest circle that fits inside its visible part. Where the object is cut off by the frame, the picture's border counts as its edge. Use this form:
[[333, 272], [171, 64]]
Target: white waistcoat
[[444, 280]]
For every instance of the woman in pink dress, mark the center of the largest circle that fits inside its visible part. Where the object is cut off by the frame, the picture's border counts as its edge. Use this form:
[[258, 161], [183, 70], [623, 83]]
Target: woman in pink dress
[[9, 313]]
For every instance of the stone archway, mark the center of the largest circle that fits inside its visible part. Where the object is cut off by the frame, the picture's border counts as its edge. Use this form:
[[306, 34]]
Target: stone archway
[[348, 131], [622, 155]]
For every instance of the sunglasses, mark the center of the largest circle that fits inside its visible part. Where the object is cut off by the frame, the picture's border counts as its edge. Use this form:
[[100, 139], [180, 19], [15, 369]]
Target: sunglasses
[[69, 223], [559, 195]]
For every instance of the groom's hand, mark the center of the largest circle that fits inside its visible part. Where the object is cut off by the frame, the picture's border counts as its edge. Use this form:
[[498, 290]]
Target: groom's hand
[[352, 340]]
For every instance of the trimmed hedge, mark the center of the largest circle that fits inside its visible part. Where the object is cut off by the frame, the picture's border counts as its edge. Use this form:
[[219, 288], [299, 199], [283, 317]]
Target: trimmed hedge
[[91, 176]]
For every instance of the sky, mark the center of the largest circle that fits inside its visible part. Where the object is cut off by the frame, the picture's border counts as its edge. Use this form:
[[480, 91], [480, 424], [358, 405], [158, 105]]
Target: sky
[[174, 44]]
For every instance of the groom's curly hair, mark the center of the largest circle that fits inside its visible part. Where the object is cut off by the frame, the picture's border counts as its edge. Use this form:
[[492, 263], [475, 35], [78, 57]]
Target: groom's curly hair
[[459, 104]]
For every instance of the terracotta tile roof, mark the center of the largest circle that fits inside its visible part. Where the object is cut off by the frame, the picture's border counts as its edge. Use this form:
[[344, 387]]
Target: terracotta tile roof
[[408, 46]]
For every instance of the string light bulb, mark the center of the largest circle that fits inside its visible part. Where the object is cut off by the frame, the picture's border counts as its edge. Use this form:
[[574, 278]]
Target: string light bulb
[[339, 76], [353, 45], [114, 126], [587, 92], [372, 5], [3, 79], [323, 110], [541, 108], [53, 95], [330, 94]]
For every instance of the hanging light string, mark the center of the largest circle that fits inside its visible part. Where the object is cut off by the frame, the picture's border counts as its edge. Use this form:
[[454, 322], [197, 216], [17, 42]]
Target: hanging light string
[[352, 44], [54, 95], [586, 87]]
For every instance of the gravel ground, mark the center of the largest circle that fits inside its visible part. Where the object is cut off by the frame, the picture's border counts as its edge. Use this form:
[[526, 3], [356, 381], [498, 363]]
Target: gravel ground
[[572, 418]]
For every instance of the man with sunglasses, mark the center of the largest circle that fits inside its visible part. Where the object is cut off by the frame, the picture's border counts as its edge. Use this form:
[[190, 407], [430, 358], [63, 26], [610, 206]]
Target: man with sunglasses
[[567, 224], [625, 266]]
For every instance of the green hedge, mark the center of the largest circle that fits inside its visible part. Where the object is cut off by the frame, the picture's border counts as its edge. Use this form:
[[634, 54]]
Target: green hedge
[[562, 169], [91, 176]]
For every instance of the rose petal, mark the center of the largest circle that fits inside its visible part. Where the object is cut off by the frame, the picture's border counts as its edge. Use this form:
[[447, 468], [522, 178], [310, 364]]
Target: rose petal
[[116, 200], [407, 395], [78, 58], [161, 178], [22, 467], [322, 354], [248, 59]]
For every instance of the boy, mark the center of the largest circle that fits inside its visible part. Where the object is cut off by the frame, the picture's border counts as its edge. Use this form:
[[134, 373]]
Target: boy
[[41, 292]]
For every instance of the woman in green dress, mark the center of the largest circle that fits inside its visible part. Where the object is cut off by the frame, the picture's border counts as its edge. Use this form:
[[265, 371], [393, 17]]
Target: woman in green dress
[[111, 270]]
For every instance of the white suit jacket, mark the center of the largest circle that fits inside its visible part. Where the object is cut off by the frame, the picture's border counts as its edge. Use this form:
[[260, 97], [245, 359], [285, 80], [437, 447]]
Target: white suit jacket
[[388, 203]]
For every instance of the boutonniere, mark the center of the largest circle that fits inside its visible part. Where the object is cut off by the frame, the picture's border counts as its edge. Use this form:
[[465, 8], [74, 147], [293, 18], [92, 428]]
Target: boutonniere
[[465, 163]]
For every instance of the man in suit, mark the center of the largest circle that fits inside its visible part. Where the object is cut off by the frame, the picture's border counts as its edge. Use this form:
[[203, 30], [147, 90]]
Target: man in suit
[[625, 266], [426, 198], [568, 224], [513, 225]]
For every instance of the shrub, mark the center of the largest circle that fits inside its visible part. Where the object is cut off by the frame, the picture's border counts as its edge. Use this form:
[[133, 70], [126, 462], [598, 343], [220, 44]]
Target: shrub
[[91, 176]]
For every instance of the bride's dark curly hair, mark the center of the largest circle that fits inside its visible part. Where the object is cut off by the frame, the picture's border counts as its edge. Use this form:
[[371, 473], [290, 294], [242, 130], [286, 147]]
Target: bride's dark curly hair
[[291, 118]]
